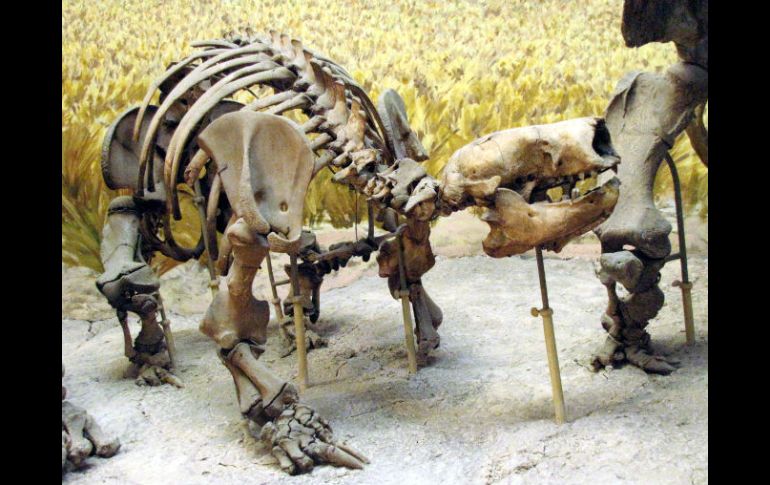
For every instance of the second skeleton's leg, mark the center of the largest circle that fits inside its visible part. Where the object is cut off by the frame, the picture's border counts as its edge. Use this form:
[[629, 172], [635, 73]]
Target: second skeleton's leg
[[645, 116], [627, 316], [237, 322]]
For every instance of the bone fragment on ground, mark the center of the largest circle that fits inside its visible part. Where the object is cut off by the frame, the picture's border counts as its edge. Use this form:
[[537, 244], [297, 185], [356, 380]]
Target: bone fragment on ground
[[82, 436]]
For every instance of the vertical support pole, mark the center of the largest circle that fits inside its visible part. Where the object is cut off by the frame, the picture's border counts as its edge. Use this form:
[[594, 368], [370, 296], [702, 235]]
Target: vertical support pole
[[299, 326], [405, 310], [370, 215], [355, 228], [167, 331], [276, 301], [550, 341], [684, 284], [199, 202]]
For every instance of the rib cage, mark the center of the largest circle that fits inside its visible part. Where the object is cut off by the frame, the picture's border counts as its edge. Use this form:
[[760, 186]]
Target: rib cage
[[348, 132]]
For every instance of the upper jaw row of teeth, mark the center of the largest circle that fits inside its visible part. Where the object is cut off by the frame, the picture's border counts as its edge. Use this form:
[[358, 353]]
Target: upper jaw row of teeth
[[556, 181], [584, 175], [588, 174]]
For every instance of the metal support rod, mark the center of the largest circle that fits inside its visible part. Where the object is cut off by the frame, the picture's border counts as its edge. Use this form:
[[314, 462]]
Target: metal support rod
[[370, 215], [200, 203], [299, 326], [167, 331], [672, 257], [550, 341], [684, 284], [276, 301], [128, 345], [355, 227], [405, 310]]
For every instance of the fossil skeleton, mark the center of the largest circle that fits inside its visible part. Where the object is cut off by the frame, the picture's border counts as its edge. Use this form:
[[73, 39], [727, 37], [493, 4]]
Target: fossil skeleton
[[251, 165], [646, 114]]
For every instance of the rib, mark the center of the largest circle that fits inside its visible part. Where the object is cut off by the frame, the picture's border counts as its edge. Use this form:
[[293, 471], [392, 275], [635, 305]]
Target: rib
[[222, 89]]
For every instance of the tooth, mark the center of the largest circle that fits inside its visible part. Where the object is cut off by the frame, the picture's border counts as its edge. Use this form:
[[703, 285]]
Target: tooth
[[526, 192], [581, 175], [575, 193]]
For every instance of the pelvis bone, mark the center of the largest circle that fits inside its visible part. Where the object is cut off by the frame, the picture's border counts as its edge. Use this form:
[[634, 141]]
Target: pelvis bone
[[265, 165], [509, 172]]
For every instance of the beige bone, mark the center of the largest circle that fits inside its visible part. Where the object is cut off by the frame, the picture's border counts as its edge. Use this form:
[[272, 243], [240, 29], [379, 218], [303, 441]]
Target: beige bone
[[516, 226], [503, 170], [265, 166]]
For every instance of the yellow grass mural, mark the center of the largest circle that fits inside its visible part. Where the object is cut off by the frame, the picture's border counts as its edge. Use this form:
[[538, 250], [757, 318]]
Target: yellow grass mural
[[464, 69]]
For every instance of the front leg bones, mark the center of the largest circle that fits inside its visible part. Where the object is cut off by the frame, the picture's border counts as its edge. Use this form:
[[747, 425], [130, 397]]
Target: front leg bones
[[646, 114], [418, 260], [627, 316], [130, 285]]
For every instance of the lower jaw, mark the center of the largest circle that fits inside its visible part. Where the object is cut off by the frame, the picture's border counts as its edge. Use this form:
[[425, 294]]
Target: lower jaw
[[511, 246], [515, 237]]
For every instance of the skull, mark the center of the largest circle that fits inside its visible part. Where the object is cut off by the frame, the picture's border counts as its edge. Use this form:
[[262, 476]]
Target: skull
[[509, 173]]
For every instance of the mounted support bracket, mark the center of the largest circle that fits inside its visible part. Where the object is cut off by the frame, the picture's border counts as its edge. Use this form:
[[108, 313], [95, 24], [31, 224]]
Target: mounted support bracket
[[685, 285], [550, 341]]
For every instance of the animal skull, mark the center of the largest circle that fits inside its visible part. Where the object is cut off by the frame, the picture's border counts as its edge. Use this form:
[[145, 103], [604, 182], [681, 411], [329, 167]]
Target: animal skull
[[509, 172]]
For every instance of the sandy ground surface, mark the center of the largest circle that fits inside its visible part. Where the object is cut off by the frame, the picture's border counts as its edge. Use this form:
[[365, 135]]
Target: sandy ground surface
[[481, 412]]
